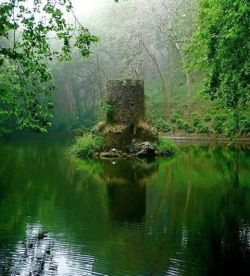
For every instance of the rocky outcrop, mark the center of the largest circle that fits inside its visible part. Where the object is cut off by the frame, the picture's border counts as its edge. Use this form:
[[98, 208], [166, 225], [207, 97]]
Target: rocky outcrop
[[136, 149]]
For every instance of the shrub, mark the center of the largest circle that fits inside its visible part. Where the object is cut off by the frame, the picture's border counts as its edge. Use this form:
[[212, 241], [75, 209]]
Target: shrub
[[87, 145], [174, 118], [220, 118], [230, 130], [218, 127], [173, 128], [202, 129], [166, 146], [196, 120], [188, 128], [244, 126], [218, 123], [208, 118], [162, 125], [180, 124]]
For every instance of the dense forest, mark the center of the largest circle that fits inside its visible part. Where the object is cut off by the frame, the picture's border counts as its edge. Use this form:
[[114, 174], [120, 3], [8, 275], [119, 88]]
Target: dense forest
[[124, 137], [55, 59]]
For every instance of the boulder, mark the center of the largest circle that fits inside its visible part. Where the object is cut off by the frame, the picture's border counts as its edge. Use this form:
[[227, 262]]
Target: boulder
[[113, 153], [143, 149]]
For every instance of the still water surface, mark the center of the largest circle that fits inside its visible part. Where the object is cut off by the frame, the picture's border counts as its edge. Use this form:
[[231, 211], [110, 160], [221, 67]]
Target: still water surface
[[188, 215]]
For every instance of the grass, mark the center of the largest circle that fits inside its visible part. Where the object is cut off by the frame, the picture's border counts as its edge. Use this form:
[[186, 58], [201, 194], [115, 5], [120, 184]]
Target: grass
[[166, 146], [86, 145]]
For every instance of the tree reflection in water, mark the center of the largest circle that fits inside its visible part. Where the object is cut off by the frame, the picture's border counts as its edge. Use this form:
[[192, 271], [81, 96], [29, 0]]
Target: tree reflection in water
[[188, 215], [126, 187]]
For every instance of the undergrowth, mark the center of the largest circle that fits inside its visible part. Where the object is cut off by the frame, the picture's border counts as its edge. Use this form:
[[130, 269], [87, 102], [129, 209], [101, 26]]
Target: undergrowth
[[166, 146], [86, 145]]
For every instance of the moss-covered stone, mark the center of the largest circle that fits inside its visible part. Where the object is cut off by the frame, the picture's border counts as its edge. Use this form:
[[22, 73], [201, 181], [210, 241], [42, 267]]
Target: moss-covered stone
[[145, 132], [116, 136]]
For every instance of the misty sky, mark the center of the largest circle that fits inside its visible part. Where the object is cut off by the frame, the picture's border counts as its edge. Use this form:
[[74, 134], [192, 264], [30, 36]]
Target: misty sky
[[88, 7]]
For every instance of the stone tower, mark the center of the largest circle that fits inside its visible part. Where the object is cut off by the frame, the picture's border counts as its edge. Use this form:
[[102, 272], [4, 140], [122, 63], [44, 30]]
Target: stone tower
[[126, 97]]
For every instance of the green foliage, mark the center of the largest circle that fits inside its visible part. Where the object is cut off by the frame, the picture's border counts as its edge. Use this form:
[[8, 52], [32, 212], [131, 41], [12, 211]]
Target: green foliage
[[5, 100], [207, 118], [244, 126], [154, 100], [229, 127], [220, 49], [107, 112], [220, 118], [23, 104], [196, 120], [180, 123], [218, 127], [202, 128], [25, 29], [219, 123], [166, 146], [174, 118], [86, 145], [162, 125], [188, 128]]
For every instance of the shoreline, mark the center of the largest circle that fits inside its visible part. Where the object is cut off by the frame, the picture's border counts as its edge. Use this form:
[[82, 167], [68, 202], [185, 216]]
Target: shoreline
[[180, 138]]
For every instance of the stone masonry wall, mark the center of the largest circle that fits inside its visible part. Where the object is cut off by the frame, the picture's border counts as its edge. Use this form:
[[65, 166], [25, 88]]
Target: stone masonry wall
[[127, 99]]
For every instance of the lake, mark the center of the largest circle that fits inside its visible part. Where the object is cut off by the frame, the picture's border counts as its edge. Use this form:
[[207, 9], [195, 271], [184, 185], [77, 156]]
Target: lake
[[185, 215]]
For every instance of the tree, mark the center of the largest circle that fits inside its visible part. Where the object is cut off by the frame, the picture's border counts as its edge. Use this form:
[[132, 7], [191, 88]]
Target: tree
[[26, 52], [177, 32], [156, 33], [220, 48]]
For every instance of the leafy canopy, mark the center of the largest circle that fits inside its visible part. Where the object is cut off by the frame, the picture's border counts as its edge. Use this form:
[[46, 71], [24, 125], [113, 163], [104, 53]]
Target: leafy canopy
[[220, 49], [27, 32]]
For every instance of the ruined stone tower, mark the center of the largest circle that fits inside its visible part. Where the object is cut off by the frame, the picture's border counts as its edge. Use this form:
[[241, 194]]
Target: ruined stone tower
[[126, 98]]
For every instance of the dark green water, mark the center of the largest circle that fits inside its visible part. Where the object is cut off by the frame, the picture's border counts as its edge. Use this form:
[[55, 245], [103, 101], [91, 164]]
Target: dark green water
[[188, 215]]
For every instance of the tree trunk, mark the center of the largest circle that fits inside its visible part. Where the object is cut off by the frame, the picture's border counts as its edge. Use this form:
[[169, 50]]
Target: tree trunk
[[69, 99], [189, 93], [99, 76], [188, 82], [162, 78], [78, 103]]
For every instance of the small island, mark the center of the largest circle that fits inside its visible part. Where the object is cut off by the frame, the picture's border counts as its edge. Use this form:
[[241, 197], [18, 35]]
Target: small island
[[124, 132]]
